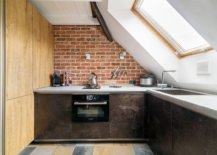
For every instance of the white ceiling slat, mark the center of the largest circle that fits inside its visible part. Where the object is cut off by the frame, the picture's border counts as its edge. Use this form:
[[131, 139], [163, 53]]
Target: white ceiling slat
[[66, 12], [77, 20]]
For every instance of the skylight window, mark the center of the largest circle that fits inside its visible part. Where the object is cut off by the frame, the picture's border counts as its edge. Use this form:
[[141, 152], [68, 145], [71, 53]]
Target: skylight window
[[172, 26]]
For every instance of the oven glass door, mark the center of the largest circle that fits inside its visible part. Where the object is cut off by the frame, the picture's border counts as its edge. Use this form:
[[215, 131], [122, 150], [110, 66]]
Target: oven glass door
[[90, 113]]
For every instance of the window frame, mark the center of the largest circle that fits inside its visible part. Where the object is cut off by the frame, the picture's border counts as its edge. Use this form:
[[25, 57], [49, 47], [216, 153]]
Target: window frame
[[191, 52]]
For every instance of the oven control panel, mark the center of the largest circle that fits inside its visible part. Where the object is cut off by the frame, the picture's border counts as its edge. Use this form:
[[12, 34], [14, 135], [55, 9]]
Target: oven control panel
[[91, 97]]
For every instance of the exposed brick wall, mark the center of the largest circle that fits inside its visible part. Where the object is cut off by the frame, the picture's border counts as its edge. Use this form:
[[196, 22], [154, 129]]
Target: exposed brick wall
[[71, 44]]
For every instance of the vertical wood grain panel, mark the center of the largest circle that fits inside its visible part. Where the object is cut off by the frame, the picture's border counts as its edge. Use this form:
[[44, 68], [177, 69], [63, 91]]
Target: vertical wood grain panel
[[1, 78], [1, 52], [42, 51], [18, 48], [36, 48], [29, 62], [19, 124]]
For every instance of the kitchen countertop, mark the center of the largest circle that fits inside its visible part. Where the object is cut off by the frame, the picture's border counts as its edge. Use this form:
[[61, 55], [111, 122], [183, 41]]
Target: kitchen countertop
[[79, 89], [204, 104]]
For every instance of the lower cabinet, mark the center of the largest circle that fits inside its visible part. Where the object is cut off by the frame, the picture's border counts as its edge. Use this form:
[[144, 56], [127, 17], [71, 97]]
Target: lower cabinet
[[127, 115], [174, 130], [193, 133], [160, 126], [53, 118]]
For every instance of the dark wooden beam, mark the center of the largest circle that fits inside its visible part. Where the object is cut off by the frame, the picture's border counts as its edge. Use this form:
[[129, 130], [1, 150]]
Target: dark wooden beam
[[96, 14], [93, 12]]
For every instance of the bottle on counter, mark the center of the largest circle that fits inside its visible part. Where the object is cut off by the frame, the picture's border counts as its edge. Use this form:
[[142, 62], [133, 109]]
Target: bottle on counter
[[56, 79]]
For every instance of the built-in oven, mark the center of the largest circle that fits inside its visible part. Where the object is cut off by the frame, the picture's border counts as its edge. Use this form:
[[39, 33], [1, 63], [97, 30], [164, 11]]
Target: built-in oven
[[90, 108]]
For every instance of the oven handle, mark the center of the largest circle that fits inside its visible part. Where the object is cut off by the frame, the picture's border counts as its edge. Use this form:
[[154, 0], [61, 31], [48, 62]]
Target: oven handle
[[90, 103]]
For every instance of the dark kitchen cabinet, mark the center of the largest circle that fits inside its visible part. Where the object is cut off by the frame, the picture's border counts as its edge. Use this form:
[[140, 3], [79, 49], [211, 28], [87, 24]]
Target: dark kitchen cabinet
[[53, 120], [160, 125], [193, 133], [127, 115], [174, 130]]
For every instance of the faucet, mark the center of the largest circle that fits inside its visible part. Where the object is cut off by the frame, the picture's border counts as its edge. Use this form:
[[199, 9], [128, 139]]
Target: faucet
[[162, 78]]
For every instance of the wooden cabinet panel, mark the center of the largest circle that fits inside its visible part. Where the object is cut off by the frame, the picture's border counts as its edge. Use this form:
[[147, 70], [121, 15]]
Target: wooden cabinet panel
[[29, 62], [18, 48], [19, 124], [160, 126], [36, 48], [194, 134], [127, 115], [42, 51], [1, 54]]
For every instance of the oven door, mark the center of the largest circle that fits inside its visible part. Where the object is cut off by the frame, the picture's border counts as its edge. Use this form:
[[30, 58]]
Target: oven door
[[91, 111]]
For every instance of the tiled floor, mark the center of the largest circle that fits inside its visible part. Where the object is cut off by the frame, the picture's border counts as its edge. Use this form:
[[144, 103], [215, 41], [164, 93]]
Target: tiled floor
[[88, 149]]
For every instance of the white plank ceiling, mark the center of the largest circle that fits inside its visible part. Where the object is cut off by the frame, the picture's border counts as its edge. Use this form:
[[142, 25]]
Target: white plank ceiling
[[66, 12]]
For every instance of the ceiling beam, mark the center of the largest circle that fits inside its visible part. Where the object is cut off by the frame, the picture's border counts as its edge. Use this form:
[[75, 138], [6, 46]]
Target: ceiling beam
[[96, 13]]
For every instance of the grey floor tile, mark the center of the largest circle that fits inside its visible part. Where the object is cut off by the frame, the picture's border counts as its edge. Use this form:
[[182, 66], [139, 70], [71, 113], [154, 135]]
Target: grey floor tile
[[142, 149], [83, 150], [43, 151], [27, 150]]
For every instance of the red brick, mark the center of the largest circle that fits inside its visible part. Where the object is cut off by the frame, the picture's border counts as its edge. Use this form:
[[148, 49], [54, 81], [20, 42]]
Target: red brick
[[73, 42]]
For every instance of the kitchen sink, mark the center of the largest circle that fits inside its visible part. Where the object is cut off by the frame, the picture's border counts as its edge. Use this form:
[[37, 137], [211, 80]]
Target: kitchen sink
[[179, 92]]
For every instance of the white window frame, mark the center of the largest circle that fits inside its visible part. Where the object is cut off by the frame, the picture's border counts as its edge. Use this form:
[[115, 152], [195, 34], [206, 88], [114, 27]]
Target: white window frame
[[181, 52]]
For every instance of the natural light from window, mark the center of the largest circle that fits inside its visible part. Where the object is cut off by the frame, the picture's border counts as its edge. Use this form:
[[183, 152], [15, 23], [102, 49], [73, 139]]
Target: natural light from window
[[172, 26]]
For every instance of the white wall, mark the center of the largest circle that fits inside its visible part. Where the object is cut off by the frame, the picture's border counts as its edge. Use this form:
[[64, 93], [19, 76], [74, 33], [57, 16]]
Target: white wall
[[189, 78]]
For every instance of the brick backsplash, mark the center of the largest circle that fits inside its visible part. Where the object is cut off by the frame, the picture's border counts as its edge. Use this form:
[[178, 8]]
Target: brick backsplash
[[73, 42]]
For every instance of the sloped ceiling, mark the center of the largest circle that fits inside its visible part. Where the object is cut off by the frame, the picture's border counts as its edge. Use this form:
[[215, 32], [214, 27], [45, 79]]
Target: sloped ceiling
[[66, 12]]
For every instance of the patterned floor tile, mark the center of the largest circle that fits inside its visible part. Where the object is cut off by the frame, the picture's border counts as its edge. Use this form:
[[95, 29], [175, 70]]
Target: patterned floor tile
[[65, 149], [104, 144], [142, 149], [41, 150], [88, 149], [103, 150], [27, 150], [83, 150], [123, 149]]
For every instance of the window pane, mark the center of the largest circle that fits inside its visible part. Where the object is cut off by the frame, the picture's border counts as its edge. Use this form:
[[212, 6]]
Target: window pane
[[171, 25]]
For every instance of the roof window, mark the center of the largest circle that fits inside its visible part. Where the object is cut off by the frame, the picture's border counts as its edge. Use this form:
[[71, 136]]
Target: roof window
[[172, 26]]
